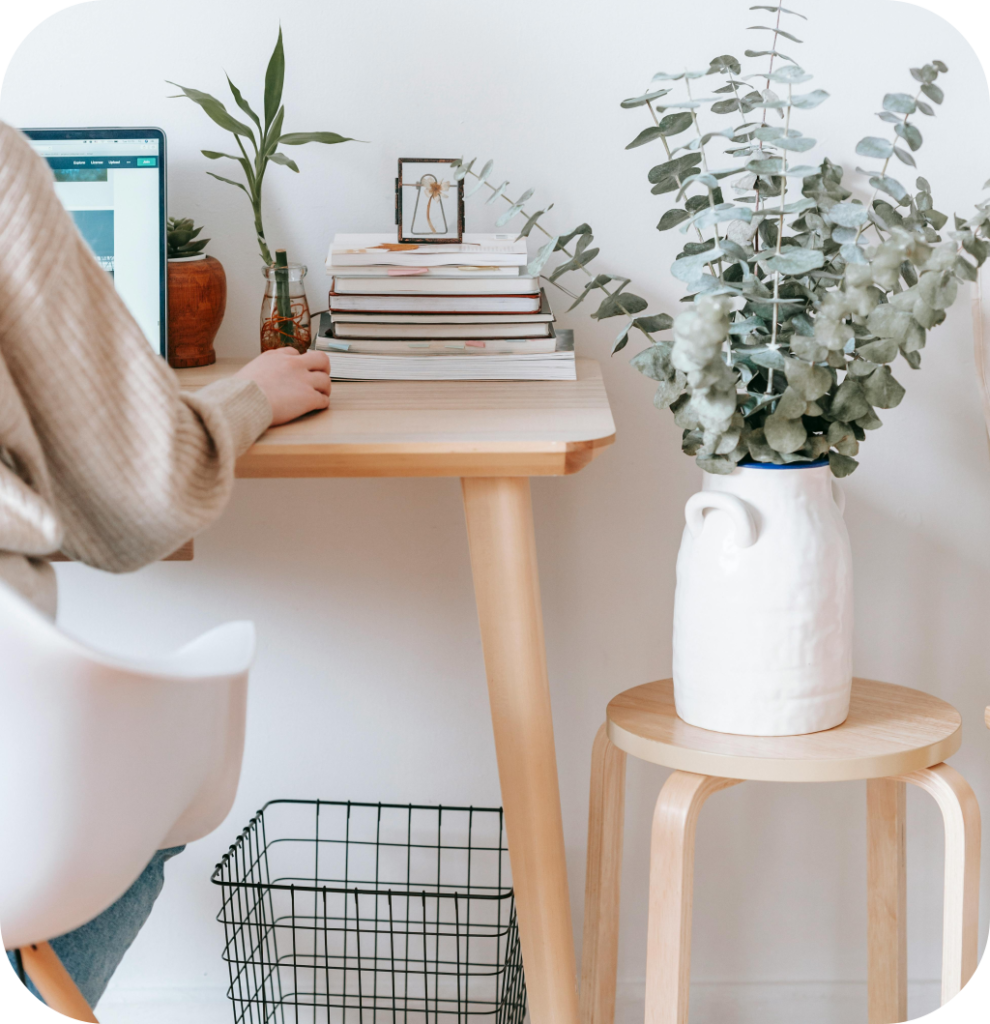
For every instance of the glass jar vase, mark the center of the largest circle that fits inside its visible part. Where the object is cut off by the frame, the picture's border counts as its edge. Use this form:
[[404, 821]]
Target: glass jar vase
[[284, 309]]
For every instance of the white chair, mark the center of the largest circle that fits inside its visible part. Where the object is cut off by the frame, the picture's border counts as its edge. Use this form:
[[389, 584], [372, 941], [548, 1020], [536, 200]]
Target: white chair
[[103, 761]]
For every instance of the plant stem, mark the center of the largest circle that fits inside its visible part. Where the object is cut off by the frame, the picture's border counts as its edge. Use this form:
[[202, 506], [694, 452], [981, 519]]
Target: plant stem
[[283, 304]]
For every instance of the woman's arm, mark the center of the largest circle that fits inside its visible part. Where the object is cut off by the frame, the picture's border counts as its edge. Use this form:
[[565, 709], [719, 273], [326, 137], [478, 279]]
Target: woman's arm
[[132, 467]]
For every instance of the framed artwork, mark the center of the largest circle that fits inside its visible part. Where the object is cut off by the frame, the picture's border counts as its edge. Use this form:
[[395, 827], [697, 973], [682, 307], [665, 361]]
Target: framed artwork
[[429, 202]]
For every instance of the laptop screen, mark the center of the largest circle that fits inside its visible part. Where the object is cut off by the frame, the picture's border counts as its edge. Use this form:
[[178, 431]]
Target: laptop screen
[[112, 182]]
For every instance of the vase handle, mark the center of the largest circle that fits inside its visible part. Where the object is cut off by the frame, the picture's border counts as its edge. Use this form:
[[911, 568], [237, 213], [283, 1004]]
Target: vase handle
[[839, 496], [738, 511]]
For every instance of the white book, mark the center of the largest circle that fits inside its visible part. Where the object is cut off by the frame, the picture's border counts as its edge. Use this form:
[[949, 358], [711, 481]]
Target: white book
[[435, 285], [435, 303], [468, 347], [355, 250], [349, 329], [459, 271]]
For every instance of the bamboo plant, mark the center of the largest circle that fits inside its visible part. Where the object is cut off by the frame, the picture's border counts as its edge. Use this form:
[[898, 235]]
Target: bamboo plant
[[264, 142]]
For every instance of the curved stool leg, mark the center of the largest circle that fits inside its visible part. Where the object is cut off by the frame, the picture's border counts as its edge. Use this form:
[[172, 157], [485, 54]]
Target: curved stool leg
[[600, 948], [961, 909], [668, 945], [54, 983], [886, 901]]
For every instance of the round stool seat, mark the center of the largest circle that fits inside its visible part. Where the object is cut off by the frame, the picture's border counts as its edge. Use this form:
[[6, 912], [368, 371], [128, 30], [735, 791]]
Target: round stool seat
[[891, 730]]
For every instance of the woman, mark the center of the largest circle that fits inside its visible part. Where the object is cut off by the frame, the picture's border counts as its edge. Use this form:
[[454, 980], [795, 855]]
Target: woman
[[101, 456]]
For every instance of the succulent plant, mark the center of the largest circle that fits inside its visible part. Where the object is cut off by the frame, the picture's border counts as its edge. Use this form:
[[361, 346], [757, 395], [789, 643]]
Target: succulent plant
[[180, 235]]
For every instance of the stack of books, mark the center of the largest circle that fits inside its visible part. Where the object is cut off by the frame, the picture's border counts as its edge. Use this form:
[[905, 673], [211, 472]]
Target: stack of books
[[464, 311]]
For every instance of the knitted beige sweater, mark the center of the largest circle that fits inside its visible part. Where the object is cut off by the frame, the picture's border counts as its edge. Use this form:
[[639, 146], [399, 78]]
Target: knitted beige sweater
[[100, 455]]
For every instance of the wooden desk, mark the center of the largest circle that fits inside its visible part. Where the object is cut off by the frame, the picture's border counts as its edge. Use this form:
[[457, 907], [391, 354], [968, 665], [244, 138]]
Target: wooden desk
[[494, 436]]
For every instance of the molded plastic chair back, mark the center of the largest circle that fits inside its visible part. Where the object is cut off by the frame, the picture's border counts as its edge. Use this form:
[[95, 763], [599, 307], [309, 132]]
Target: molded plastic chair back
[[105, 760]]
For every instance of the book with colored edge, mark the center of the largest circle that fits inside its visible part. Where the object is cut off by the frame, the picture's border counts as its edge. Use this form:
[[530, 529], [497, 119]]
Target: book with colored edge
[[465, 285], [435, 303], [350, 365], [416, 332], [545, 315], [453, 272], [356, 250], [468, 347]]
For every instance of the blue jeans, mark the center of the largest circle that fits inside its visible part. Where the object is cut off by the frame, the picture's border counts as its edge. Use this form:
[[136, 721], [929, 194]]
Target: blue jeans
[[93, 952]]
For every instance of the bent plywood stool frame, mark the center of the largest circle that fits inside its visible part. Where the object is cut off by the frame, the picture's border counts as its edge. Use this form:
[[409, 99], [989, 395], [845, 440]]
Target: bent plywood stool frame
[[893, 736]]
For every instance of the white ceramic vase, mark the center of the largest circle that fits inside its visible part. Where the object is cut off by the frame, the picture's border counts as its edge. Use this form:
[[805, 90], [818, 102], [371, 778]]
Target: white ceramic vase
[[763, 612]]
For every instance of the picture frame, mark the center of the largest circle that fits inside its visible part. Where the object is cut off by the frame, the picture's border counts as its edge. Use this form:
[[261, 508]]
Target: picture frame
[[429, 201]]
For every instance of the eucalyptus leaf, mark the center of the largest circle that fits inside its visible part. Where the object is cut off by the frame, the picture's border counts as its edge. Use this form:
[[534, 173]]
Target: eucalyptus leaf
[[784, 435], [578, 261], [910, 135], [681, 166], [849, 402], [672, 218], [933, 92], [925, 109], [619, 303], [881, 149], [654, 362], [809, 100], [581, 229], [482, 178], [770, 165], [531, 223], [891, 186], [881, 390], [500, 191], [650, 134], [766, 7], [899, 103], [647, 97], [674, 124], [539, 261], [778, 31], [841, 465], [809, 381], [720, 215], [847, 215], [789, 73], [769, 358], [801, 145], [794, 260], [654, 324]]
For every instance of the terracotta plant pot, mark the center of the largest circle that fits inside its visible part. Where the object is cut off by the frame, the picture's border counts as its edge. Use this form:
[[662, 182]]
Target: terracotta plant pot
[[197, 298]]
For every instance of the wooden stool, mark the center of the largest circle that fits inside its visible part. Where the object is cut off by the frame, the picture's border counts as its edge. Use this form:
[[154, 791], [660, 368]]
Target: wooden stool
[[893, 735]]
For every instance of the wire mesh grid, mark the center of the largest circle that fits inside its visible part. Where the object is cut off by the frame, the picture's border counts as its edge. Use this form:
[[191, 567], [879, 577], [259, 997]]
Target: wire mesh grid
[[356, 913]]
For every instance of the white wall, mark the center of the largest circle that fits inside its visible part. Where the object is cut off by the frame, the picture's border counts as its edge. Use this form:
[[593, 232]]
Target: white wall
[[369, 681]]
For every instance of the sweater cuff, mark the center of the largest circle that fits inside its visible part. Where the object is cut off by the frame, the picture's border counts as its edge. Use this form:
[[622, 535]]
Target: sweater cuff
[[245, 407]]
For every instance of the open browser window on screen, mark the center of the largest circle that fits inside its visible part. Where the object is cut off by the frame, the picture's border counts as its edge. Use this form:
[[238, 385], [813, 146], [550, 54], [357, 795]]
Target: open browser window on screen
[[114, 189]]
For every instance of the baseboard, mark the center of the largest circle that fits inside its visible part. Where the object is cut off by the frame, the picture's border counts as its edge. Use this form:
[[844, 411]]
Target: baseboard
[[776, 1002], [165, 1006]]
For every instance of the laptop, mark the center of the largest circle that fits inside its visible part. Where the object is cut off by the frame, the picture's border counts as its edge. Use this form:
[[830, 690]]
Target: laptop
[[112, 181]]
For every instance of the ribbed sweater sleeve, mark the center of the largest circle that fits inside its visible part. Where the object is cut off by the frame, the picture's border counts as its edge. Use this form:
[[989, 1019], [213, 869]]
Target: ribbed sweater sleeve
[[98, 429]]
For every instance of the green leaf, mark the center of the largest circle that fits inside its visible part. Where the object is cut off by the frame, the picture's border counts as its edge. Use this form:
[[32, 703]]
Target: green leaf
[[809, 100], [669, 391], [213, 155], [925, 74], [909, 134], [216, 111], [482, 178], [882, 351], [768, 53], [581, 229], [922, 184], [647, 135], [810, 382], [301, 138], [576, 263], [539, 261], [680, 167], [925, 109], [618, 303], [784, 435], [647, 97], [800, 145], [719, 215], [281, 158], [765, 7], [849, 402], [779, 31], [531, 223], [933, 92], [848, 215], [621, 339], [881, 149], [899, 103], [242, 102], [672, 218], [891, 186], [791, 404], [904, 156], [769, 358], [653, 324], [794, 260], [654, 362], [725, 106], [596, 282], [769, 166], [237, 184], [789, 73], [882, 391], [274, 77], [514, 209], [274, 132], [841, 465], [939, 66], [674, 124], [497, 193], [462, 170]]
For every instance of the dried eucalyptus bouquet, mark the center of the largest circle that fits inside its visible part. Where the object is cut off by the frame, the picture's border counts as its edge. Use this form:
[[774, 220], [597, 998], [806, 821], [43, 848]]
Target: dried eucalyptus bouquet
[[804, 295]]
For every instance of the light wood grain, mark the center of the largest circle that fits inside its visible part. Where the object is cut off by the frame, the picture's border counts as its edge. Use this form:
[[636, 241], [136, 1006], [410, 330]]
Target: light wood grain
[[886, 901], [961, 906], [891, 730], [54, 983], [600, 946], [668, 942], [503, 562], [183, 554], [435, 428]]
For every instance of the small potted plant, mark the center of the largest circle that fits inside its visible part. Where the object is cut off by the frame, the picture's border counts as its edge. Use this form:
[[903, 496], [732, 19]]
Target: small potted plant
[[197, 296]]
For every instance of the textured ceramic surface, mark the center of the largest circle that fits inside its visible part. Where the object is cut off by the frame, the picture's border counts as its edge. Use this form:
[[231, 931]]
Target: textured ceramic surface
[[763, 612]]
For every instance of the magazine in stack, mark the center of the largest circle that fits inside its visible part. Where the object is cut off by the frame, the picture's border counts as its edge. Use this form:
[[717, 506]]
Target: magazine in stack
[[465, 311]]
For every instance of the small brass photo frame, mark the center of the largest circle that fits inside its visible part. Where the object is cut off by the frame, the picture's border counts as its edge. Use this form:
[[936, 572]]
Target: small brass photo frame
[[429, 201]]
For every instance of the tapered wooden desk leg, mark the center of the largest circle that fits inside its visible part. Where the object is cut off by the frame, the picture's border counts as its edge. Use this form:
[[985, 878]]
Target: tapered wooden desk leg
[[503, 561], [600, 948], [54, 983], [668, 942], [886, 897], [961, 908]]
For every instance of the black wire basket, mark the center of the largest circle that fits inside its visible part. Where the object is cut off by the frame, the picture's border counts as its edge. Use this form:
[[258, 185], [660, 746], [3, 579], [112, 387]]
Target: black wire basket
[[356, 913]]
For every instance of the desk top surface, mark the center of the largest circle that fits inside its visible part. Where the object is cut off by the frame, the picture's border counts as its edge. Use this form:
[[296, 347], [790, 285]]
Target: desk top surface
[[434, 428]]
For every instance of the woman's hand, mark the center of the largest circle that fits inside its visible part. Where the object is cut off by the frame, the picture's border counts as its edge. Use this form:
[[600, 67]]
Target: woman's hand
[[293, 383]]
